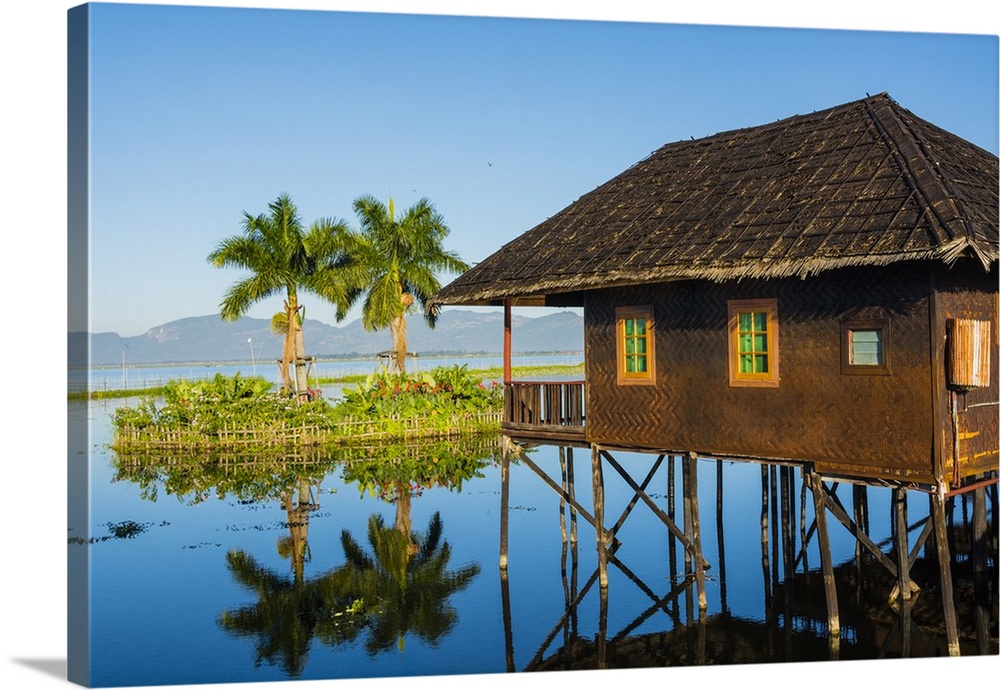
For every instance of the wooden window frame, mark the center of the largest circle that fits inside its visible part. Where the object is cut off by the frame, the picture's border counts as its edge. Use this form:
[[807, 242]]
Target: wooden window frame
[[771, 378], [648, 377], [846, 366]]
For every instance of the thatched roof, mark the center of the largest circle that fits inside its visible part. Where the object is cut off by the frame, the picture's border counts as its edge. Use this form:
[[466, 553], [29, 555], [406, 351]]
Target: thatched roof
[[862, 184]]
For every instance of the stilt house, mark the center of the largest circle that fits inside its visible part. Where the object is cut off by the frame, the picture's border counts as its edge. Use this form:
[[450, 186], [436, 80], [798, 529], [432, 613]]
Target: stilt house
[[821, 290]]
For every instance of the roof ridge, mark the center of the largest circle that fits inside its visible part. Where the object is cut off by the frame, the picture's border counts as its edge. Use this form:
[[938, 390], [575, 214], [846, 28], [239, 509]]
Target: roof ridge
[[910, 150]]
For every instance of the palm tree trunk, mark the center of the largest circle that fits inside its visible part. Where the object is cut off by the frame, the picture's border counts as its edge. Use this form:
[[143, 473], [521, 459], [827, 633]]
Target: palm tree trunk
[[398, 329], [301, 370], [295, 349], [287, 351]]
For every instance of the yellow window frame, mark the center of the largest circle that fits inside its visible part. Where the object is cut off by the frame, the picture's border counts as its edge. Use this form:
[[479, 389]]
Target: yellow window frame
[[635, 352], [753, 343]]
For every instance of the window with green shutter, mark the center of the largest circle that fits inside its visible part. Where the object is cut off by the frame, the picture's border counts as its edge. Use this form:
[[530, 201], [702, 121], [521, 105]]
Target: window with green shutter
[[634, 334], [753, 342]]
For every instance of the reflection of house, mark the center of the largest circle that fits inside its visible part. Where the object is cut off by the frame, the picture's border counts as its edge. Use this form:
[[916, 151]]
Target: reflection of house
[[782, 292]]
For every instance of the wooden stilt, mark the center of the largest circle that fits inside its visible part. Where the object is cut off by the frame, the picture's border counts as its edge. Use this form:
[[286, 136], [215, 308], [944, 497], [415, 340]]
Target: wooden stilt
[[980, 552], [939, 514], [719, 532], [803, 533], [826, 559], [860, 501], [775, 524], [504, 499], [672, 514], [562, 500], [902, 543], [507, 377], [602, 546], [905, 626], [699, 561], [571, 488], [685, 498]]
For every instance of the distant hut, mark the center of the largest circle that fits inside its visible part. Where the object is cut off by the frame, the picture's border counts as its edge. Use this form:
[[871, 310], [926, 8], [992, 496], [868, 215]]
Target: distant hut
[[822, 289]]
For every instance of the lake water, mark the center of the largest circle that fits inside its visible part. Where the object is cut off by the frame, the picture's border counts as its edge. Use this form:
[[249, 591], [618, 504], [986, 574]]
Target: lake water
[[239, 570], [136, 376]]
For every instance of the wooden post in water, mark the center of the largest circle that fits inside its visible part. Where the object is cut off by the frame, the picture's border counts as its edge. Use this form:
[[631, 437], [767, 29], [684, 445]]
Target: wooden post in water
[[860, 500], [685, 498], [980, 550], [902, 543], [719, 531], [672, 514], [775, 524], [939, 514], [803, 534], [699, 562], [598, 481], [764, 560], [571, 489], [562, 500], [826, 560], [504, 498]]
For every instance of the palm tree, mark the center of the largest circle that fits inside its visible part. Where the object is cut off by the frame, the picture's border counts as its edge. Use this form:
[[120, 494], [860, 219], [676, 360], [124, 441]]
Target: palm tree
[[282, 257], [400, 256]]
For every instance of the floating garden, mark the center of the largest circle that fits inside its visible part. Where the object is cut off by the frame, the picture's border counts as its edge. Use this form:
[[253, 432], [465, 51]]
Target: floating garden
[[235, 412]]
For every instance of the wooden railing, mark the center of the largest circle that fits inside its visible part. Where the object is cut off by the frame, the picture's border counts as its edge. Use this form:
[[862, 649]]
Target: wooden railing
[[546, 405]]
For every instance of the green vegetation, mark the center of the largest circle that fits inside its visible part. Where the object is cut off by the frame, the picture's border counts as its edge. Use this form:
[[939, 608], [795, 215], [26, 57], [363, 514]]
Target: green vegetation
[[398, 257], [442, 402], [283, 258]]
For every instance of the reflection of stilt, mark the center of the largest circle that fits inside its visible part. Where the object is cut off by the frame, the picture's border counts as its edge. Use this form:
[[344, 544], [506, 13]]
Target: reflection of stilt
[[508, 628], [602, 627], [504, 500], [764, 558], [719, 536]]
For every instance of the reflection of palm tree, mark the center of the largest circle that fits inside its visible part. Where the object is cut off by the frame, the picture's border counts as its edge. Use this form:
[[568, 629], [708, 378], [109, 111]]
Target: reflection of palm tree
[[288, 613], [296, 544], [404, 589]]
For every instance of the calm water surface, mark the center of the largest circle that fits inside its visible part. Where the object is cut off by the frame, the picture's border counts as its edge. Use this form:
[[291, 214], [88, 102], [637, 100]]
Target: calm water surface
[[240, 571]]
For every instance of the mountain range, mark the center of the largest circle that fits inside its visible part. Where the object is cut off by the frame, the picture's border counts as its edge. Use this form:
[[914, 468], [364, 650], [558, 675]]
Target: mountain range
[[210, 339]]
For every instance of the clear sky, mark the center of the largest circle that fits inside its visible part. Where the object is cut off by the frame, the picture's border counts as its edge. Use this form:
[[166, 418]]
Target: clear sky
[[200, 113]]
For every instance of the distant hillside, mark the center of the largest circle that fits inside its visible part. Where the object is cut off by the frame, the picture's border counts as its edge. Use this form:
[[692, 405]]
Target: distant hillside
[[210, 339]]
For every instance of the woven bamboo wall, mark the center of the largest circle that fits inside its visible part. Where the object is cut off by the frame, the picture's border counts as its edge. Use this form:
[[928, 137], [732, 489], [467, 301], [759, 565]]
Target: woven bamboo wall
[[979, 440], [868, 426]]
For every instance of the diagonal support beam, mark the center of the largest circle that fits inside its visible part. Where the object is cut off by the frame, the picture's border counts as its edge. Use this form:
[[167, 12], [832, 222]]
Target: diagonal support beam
[[664, 518], [635, 497], [555, 487]]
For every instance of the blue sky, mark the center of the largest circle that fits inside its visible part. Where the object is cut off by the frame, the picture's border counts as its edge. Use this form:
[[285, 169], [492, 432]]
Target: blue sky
[[200, 113], [168, 203]]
